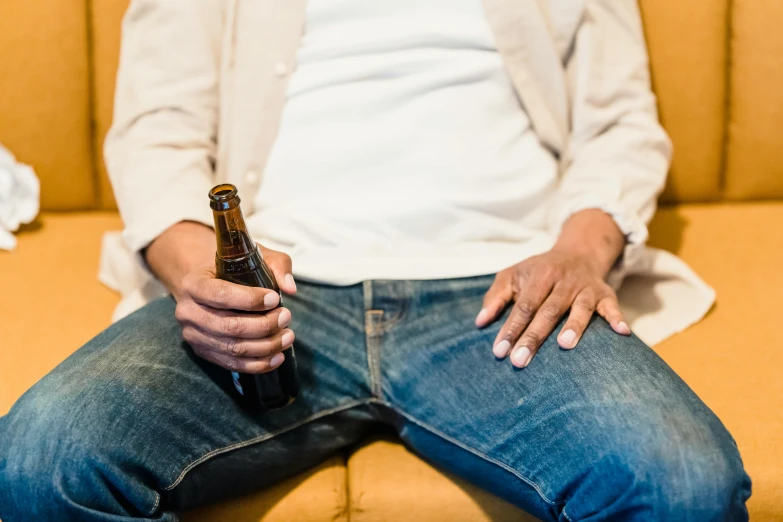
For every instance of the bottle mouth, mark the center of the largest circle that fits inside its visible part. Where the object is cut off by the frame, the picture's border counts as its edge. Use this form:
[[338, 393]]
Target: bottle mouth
[[223, 197]]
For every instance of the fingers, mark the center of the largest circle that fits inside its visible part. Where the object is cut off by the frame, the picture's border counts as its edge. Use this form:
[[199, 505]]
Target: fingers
[[203, 288], [235, 348], [529, 299], [581, 313], [246, 364], [609, 309], [495, 300], [224, 323], [542, 324], [280, 265]]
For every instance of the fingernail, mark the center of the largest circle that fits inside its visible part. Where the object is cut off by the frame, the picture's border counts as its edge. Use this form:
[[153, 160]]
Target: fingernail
[[521, 356], [276, 360], [624, 328], [288, 339], [568, 338], [271, 299], [481, 318], [284, 318], [501, 349], [289, 281]]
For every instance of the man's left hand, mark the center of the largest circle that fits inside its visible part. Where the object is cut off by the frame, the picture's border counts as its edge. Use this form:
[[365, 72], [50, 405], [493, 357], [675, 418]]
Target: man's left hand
[[542, 290]]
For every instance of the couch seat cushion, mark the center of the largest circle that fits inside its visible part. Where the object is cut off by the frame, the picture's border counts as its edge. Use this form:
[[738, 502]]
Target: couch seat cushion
[[51, 302], [320, 495]]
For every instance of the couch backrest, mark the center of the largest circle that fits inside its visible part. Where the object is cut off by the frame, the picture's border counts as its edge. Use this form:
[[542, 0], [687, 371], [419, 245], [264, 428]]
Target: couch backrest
[[754, 166], [716, 69], [45, 96]]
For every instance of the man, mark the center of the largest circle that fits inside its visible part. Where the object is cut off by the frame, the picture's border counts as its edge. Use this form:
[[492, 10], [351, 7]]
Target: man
[[455, 184]]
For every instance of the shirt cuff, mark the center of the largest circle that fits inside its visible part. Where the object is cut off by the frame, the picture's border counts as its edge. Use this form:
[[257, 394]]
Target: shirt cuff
[[160, 215]]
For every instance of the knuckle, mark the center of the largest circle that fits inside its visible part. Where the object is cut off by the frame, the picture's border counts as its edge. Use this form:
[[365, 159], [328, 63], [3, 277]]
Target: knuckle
[[220, 293], [181, 313], [550, 312], [188, 283], [266, 325], [608, 295], [532, 339], [233, 348], [189, 334], [514, 325], [548, 271], [268, 349], [233, 326], [231, 364], [585, 305], [525, 308]]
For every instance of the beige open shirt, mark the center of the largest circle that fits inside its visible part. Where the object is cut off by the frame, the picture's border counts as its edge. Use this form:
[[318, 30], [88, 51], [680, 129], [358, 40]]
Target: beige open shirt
[[202, 85]]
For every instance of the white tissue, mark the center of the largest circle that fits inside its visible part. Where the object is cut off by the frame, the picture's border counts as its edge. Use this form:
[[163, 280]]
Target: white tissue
[[20, 193]]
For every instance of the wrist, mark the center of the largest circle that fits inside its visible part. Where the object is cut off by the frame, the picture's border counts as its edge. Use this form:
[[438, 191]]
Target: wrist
[[179, 250], [593, 236]]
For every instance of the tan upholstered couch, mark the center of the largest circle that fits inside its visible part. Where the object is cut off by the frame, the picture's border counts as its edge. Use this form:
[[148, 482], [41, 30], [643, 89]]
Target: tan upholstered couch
[[718, 70]]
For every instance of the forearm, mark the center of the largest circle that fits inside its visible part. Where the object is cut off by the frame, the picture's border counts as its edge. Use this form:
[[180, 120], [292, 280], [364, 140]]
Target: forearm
[[182, 248], [594, 235]]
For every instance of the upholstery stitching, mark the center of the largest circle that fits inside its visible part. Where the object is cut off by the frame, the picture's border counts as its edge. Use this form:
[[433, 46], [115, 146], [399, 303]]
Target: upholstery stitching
[[92, 97], [489, 459], [262, 438], [723, 172]]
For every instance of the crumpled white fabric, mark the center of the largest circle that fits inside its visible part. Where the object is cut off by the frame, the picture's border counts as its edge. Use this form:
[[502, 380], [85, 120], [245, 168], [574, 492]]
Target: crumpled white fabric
[[20, 193], [123, 271]]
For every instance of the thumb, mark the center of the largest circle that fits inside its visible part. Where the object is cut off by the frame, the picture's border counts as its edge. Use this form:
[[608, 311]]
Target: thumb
[[495, 300], [280, 265]]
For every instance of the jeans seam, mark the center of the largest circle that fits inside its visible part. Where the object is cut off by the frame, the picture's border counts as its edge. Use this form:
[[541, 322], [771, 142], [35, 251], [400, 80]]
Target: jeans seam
[[373, 351], [475, 452], [261, 438], [155, 505], [565, 515]]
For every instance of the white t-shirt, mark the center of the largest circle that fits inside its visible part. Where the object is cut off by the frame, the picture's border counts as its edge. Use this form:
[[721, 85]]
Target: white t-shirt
[[403, 151]]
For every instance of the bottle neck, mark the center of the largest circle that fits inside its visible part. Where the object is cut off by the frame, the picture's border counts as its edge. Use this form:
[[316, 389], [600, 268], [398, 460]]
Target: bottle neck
[[233, 239]]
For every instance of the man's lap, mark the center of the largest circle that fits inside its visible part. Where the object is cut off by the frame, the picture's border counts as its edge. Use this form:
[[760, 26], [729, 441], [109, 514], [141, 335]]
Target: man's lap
[[404, 352], [550, 433]]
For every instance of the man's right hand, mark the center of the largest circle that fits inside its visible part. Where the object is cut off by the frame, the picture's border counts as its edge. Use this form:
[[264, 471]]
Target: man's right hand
[[234, 326]]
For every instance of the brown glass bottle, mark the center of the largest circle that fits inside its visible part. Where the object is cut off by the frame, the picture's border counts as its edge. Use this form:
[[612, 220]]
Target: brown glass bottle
[[239, 261]]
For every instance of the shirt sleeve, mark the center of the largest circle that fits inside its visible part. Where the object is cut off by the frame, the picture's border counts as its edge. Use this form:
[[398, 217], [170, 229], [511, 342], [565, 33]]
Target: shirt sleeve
[[160, 151], [618, 154]]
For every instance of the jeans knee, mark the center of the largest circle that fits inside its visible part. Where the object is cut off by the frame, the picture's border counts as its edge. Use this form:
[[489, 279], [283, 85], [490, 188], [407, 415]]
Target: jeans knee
[[702, 482], [60, 461]]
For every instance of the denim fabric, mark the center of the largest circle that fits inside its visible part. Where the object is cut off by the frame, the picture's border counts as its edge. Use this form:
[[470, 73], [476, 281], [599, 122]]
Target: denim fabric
[[133, 426]]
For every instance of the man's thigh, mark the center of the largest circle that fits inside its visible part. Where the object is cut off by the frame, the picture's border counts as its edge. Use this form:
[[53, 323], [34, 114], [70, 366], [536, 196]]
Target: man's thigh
[[574, 431], [136, 408]]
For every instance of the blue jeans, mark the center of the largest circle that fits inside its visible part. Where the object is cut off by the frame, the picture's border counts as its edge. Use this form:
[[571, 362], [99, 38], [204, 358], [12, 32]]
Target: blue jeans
[[133, 426]]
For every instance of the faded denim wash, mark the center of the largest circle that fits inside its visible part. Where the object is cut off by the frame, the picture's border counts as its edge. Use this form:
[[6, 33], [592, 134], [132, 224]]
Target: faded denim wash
[[134, 427]]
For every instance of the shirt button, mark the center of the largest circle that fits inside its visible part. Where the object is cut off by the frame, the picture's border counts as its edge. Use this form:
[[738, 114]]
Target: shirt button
[[251, 177], [281, 69]]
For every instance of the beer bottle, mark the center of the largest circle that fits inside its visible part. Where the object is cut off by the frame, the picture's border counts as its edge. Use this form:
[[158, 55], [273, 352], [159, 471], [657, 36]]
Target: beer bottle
[[239, 261]]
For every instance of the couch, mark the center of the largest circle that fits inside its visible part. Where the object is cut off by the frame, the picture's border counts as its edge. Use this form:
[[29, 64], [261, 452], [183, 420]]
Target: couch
[[718, 74]]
